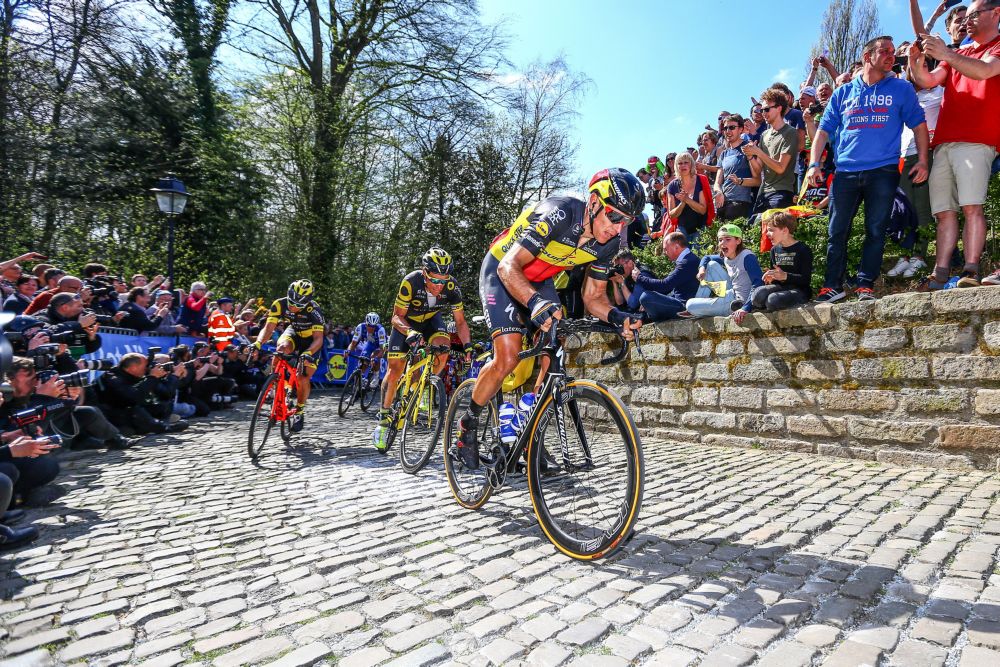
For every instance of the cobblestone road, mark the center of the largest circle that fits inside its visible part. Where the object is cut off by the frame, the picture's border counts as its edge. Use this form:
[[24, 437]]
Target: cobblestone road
[[181, 551]]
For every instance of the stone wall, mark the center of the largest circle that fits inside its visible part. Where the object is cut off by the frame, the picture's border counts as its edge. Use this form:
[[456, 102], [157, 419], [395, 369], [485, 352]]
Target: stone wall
[[908, 379]]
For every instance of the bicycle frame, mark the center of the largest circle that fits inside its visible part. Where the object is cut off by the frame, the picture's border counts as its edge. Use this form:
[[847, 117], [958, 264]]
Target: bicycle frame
[[287, 376], [413, 389]]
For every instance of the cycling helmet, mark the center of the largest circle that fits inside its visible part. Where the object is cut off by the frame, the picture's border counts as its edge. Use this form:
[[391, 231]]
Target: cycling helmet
[[300, 292], [619, 189], [371, 319], [437, 260]]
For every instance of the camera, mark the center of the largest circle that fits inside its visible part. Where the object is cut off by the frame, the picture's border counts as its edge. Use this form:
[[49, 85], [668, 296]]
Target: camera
[[151, 355], [38, 414], [74, 379], [61, 336], [167, 366], [102, 319], [816, 108], [43, 356], [97, 364], [616, 270]]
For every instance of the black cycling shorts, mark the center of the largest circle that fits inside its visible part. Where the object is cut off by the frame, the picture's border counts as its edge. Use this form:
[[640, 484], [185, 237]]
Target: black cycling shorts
[[300, 344], [431, 328], [504, 314]]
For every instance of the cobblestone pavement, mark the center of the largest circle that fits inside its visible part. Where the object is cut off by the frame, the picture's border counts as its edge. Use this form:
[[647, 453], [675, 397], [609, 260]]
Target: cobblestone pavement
[[181, 551]]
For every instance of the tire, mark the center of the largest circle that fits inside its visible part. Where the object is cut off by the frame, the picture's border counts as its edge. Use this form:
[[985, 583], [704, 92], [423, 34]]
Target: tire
[[349, 393], [586, 512], [471, 488], [369, 394], [422, 428], [261, 422], [290, 400]]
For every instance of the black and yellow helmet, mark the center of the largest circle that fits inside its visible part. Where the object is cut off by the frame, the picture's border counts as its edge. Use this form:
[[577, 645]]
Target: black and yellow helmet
[[437, 260], [300, 292]]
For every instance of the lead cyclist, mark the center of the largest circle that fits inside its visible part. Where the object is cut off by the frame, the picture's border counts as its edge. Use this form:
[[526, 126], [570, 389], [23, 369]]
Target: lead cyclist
[[515, 280]]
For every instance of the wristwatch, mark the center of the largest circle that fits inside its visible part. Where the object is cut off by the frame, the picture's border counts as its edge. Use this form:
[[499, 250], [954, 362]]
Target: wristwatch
[[814, 164]]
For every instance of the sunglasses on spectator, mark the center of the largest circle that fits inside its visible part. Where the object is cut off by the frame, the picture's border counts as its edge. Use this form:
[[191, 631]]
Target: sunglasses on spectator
[[730, 128], [766, 109]]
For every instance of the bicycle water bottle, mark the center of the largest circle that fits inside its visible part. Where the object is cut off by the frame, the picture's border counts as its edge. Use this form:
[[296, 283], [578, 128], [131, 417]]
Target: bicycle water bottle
[[508, 427]]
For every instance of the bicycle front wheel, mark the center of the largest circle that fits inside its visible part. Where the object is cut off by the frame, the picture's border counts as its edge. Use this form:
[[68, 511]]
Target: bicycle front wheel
[[587, 492], [471, 488], [422, 426], [262, 421], [349, 393]]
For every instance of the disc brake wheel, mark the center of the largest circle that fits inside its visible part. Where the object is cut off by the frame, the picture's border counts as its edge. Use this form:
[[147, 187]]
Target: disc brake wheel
[[586, 495], [422, 427], [471, 488], [261, 422]]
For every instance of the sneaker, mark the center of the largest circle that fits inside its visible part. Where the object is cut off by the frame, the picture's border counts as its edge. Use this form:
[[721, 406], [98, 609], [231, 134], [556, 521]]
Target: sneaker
[[468, 443], [902, 266], [686, 315], [992, 279], [12, 538], [916, 264], [830, 295], [969, 279], [929, 284], [865, 294], [379, 436]]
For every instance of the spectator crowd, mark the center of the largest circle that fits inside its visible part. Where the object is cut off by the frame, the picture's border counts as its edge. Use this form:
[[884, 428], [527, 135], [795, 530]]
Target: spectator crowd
[[909, 133]]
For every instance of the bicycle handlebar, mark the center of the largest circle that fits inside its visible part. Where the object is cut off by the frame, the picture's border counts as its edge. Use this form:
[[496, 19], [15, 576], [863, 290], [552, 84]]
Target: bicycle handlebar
[[570, 327]]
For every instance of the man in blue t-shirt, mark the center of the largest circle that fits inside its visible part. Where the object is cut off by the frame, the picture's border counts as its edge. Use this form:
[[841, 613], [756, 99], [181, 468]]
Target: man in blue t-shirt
[[867, 117]]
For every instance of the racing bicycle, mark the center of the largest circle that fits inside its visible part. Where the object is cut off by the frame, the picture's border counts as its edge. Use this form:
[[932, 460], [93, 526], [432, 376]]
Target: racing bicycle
[[276, 403], [362, 386], [583, 451], [417, 413]]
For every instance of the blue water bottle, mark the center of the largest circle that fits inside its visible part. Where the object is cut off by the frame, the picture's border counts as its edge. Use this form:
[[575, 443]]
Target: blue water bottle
[[508, 428]]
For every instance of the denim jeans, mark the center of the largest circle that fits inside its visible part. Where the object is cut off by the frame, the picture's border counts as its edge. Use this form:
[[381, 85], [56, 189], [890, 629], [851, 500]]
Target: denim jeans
[[704, 304], [661, 307], [876, 188]]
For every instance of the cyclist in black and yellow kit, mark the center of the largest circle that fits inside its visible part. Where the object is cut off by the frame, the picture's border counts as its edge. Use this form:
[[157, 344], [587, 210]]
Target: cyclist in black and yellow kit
[[422, 296], [303, 335], [515, 281]]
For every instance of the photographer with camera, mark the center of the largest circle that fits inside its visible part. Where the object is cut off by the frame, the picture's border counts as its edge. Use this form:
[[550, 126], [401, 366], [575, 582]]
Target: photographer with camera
[[105, 290], [185, 367], [24, 417], [66, 319], [135, 317], [209, 384], [134, 399], [53, 402], [234, 366]]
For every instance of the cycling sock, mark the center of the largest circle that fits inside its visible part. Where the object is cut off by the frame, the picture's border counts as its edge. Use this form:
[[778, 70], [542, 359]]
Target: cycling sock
[[473, 411]]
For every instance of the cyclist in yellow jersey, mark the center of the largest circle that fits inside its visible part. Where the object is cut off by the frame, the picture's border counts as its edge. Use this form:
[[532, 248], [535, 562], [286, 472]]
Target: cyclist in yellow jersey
[[515, 280], [303, 335], [416, 312]]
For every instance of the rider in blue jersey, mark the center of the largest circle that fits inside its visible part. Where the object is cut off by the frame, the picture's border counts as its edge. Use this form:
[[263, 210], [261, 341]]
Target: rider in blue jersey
[[371, 334]]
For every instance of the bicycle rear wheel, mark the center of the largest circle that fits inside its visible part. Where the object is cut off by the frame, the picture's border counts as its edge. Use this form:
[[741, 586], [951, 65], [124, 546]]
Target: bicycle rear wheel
[[261, 422], [422, 426], [349, 393], [471, 488], [369, 388], [586, 495]]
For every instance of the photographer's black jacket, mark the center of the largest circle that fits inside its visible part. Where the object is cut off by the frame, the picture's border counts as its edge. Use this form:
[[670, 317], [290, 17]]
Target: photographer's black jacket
[[118, 389], [56, 323], [136, 318]]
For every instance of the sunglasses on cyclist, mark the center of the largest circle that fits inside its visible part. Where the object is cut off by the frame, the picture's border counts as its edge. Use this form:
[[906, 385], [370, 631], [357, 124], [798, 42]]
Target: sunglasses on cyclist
[[615, 217], [437, 281]]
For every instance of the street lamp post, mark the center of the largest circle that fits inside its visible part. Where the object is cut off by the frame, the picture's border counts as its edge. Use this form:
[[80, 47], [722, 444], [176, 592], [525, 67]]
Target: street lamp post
[[171, 198]]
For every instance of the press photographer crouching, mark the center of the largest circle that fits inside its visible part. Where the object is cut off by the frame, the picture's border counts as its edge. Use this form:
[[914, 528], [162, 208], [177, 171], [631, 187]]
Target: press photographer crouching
[[210, 386], [52, 402], [248, 379], [136, 400]]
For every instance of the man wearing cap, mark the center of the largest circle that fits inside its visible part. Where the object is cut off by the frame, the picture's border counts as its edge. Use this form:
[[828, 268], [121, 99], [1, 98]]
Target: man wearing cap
[[163, 301], [220, 324]]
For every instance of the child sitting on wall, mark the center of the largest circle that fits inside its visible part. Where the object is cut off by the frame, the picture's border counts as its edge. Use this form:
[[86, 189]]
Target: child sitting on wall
[[787, 282]]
